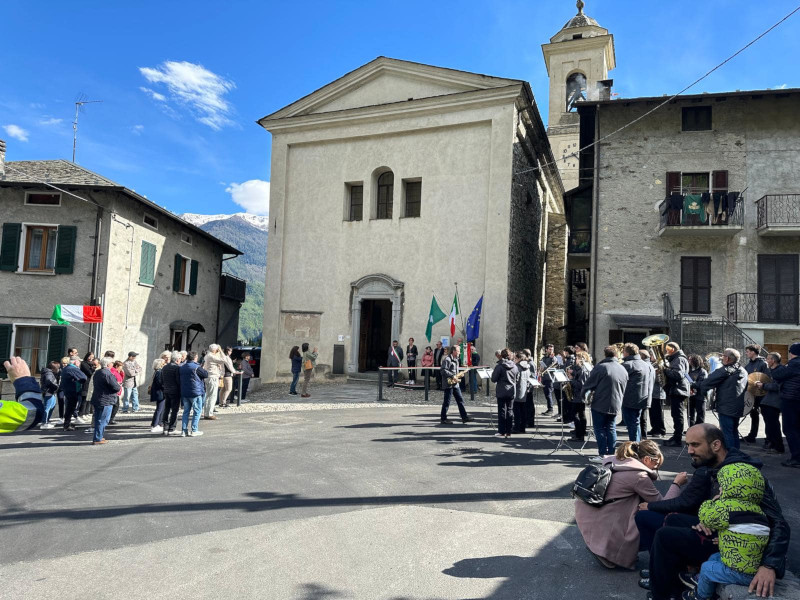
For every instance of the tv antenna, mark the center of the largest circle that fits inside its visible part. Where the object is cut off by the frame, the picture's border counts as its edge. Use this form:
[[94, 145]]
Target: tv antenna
[[78, 107]]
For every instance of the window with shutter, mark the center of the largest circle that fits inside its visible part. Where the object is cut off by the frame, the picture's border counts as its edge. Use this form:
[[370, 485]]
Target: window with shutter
[[147, 264], [696, 284], [193, 278], [5, 346], [673, 182], [9, 247], [414, 198], [778, 288], [719, 181], [56, 343], [65, 249]]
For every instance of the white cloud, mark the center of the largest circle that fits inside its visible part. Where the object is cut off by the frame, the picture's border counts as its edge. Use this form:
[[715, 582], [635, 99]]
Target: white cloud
[[783, 86], [153, 94], [50, 121], [193, 86], [137, 129], [36, 105], [16, 132], [253, 196]]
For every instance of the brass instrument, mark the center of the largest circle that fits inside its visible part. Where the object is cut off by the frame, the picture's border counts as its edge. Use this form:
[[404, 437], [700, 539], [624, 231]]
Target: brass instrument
[[751, 383], [619, 346], [657, 344], [566, 391], [455, 379]]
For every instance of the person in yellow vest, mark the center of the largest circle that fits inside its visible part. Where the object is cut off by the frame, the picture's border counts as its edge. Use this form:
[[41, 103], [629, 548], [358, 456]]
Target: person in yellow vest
[[28, 409]]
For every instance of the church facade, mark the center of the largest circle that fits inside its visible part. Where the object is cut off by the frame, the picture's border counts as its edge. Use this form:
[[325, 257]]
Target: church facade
[[391, 184]]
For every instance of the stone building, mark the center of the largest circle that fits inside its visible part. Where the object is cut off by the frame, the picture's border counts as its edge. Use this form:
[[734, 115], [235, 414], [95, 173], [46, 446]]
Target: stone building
[[158, 278], [387, 186], [661, 260]]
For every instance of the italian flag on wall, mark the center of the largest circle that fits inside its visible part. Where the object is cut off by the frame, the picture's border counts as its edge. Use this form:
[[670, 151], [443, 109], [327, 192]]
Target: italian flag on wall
[[63, 314]]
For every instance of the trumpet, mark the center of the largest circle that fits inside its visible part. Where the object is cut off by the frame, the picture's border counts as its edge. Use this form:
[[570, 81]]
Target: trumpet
[[658, 346]]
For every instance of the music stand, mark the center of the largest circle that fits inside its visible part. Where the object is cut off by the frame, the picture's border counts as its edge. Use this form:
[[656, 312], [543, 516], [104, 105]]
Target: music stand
[[485, 373], [589, 428], [536, 389]]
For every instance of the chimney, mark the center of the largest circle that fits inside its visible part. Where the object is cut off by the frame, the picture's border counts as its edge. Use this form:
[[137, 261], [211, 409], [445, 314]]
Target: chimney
[[604, 89], [2, 158]]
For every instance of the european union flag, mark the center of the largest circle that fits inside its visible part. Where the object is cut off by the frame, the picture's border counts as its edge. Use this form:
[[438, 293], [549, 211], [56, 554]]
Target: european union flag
[[474, 322]]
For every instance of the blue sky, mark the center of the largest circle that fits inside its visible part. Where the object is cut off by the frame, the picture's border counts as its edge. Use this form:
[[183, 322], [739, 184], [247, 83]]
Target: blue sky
[[183, 83]]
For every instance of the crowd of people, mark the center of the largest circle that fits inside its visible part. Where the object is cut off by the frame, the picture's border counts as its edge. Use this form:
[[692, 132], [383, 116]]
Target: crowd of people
[[91, 390]]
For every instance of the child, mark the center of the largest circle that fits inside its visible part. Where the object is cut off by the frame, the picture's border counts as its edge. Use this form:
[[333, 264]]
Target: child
[[743, 530]]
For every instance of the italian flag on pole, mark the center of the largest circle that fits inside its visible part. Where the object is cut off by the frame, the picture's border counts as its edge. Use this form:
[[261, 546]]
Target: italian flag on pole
[[64, 314], [453, 312]]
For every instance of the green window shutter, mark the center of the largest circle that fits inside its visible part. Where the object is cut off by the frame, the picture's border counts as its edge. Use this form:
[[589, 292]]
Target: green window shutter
[[9, 248], [5, 346], [56, 343], [176, 273], [65, 249], [193, 278], [147, 264]]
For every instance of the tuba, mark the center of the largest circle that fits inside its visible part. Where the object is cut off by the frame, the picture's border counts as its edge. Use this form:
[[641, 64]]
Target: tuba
[[657, 344]]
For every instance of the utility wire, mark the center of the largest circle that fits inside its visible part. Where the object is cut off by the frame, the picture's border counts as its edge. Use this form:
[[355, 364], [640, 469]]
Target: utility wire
[[665, 102], [34, 180]]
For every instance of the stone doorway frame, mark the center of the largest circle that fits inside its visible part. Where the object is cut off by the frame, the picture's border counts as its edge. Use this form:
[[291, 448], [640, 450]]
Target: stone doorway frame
[[373, 287]]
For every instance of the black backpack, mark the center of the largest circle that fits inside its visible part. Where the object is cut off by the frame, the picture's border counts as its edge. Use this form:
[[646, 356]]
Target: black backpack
[[591, 485]]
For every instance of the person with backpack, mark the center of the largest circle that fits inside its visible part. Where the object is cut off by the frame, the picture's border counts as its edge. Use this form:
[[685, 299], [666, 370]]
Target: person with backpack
[[608, 497]]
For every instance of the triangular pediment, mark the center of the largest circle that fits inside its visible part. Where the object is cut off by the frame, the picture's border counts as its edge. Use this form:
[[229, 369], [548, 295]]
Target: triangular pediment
[[387, 81]]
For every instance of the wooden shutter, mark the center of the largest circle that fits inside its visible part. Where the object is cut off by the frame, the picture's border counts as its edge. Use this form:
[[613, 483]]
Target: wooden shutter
[[147, 264], [719, 181], [5, 346], [56, 343], [193, 278], [9, 247], [65, 250], [695, 284], [673, 182], [176, 273], [614, 336]]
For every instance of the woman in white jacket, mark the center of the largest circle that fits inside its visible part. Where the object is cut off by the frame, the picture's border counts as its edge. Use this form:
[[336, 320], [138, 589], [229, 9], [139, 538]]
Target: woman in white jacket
[[215, 363]]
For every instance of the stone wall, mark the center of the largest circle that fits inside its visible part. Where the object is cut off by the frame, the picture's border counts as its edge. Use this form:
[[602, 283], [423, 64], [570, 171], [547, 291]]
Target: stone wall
[[556, 290]]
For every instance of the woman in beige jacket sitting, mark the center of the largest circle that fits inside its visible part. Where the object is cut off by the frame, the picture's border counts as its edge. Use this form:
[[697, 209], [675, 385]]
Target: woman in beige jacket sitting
[[609, 530]]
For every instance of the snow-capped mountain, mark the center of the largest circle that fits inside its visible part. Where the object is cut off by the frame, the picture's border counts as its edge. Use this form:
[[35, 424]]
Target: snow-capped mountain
[[256, 221]]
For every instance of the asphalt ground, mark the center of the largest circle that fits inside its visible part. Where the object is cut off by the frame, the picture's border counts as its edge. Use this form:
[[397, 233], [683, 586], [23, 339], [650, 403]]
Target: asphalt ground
[[332, 497]]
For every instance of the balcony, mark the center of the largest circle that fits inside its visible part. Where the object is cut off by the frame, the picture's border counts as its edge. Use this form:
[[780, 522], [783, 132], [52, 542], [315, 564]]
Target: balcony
[[680, 223], [752, 307], [580, 241], [232, 288], [778, 214]]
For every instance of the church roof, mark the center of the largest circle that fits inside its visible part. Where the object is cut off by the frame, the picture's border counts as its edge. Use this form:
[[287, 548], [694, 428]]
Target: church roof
[[580, 20]]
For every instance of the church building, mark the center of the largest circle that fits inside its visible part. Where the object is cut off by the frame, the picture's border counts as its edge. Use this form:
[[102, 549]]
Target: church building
[[390, 184]]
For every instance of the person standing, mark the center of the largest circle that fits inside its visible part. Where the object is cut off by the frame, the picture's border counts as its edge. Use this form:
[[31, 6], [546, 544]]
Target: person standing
[[677, 389], [578, 374], [87, 368], [411, 361], [297, 364], [427, 361], [171, 382], [105, 396], [246, 373], [651, 373], [524, 367], [473, 374], [438, 355], [157, 396], [72, 382], [393, 360], [214, 364], [548, 360], [771, 408], [638, 390], [227, 378], [731, 383], [505, 375], [788, 376], [132, 371], [755, 364], [656, 410], [449, 371], [193, 392], [608, 380], [309, 362], [48, 381], [697, 402]]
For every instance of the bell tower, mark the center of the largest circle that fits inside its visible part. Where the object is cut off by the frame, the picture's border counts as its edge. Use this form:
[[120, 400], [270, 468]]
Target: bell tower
[[578, 59]]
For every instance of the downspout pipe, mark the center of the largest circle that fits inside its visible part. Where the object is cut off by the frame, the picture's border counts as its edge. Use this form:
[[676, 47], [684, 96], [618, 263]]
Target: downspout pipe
[[595, 228]]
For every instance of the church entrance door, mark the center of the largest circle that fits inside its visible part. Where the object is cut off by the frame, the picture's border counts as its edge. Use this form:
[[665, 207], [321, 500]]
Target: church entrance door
[[375, 334]]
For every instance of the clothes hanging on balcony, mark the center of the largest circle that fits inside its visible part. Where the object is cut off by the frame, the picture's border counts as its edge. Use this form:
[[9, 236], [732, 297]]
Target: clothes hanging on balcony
[[674, 204], [693, 213], [708, 207], [733, 198]]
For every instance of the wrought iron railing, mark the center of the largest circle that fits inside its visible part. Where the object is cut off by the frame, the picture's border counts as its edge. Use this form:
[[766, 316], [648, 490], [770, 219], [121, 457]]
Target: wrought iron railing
[[674, 218], [752, 307], [778, 209], [580, 241]]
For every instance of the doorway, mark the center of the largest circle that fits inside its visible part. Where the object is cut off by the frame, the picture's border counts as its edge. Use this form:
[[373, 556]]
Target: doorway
[[375, 334]]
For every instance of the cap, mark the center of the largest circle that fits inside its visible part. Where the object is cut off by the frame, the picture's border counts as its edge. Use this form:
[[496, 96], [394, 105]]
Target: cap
[[133, 354], [794, 349]]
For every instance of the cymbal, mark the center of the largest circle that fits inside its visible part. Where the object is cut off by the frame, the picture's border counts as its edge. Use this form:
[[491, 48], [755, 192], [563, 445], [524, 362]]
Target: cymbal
[[751, 383]]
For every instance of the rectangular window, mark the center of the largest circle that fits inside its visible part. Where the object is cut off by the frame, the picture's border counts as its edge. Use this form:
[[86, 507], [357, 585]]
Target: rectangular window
[[356, 202], [40, 249], [30, 343], [43, 199], [778, 288], [694, 183], [150, 221], [147, 264], [186, 238], [185, 274], [696, 118], [413, 198], [696, 284]]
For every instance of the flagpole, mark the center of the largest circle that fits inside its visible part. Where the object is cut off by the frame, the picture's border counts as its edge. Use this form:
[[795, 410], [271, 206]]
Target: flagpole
[[460, 313]]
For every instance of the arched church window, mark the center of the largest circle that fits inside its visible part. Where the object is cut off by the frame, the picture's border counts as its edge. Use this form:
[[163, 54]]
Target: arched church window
[[385, 195], [576, 90]]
